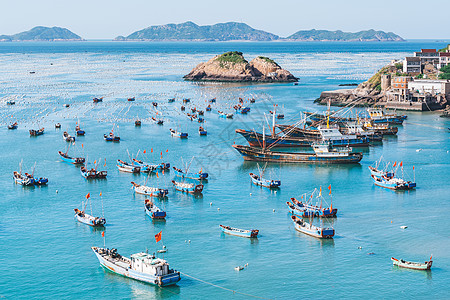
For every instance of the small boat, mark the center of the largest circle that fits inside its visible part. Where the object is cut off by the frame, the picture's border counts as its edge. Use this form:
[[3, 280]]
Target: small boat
[[10, 102], [383, 177], [201, 120], [202, 131], [208, 108], [58, 125], [158, 121], [137, 123], [22, 179], [377, 115], [34, 132], [258, 180], [111, 137], [13, 125], [253, 100], [72, 160], [241, 110], [309, 229], [185, 174], [140, 266], [201, 112], [171, 100], [225, 115], [126, 167], [155, 104], [240, 232], [84, 218], [149, 191], [186, 100], [66, 105], [319, 208], [145, 168], [96, 100], [37, 181], [67, 137], [213, 100], [412, 265], [183, 108], [193, 109], [280, 116], [186, 187], [153, 211], [92, 173], [79, 131], [131, 99], [161, 166], [178, 134]]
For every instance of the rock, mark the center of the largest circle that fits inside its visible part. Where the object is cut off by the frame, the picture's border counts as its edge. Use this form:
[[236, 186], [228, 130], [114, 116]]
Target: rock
[[233, 67]]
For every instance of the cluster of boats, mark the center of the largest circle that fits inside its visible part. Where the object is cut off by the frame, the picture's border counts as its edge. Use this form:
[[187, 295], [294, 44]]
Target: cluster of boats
[[385, 176]]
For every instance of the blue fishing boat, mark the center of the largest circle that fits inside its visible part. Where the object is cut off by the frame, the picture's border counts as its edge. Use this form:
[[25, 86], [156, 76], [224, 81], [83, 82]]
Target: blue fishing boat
[[96, 100], [258, 180], [202, 131], [385, 176], [92, 173], [36, 180], [313, 205], [187, 187], [158, 121], [131, 99], [34, 132], [201, 120], [22, 179], [175, 133], [213, 100], [72, 160], [208, 108], [186, 100], [185, 174], [145, 168], [79, 131], [10, 102], [13, 125], [225, 115], [67, 137], [111, 137], [153, 211], [241, 109], [377, 115], [253, 233], [137, 123], [171, 100]]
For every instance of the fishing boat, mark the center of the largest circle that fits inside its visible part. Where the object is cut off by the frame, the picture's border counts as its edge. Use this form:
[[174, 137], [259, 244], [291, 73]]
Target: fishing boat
[[186, 174], [79, 131], [202, 131], [253, 233], [145, 168], [208, 108], [131, 99], [323, 155], [111, 137], [171, 100], [183, 108], [259, 180], [140, 266], [153, 211], [57, 125], [73, 160], [84, 218], [241, 109], [186, 100], [201, 120], [37, 180], [313, 205], [149, 191], [385, 176], [225, 115], [193, 109], [175, 133], [186, 187], [10, 102], [22, 179], [213, 100], [92, 173], [200, 112], [380, 128], [96, 100], [67, 137], [13, 125], [158, 121], [127, 167], [412, 265], [161, 166], [377, 115], [137, 123], [34, 132], [312, 230]]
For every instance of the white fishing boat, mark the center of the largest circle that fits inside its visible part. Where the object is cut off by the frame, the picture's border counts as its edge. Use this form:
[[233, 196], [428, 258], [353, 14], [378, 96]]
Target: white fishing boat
[[239, 232], [309, 229], [67, 137], [140, 266], [126, 167], [84, 218], [412, 265], [187, 187], [149, 191], [22, 179]]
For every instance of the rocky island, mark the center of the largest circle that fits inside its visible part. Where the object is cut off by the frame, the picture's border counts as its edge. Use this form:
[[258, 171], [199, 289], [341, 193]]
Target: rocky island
[[233, 67], [41, 33], [341, 36]]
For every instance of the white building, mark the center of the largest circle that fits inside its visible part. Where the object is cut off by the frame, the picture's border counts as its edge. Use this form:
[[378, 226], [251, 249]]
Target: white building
[[433, 87]]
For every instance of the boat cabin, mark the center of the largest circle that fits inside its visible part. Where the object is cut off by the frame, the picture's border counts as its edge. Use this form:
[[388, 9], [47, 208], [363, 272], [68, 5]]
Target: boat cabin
[[148, 264]]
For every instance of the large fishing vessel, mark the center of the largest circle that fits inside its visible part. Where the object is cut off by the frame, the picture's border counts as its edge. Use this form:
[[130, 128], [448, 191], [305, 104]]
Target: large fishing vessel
[[312, 230], [149, 191]]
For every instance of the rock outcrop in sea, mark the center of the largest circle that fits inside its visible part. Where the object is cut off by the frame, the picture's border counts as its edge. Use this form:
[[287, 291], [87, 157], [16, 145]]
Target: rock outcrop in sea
[[233, 67]]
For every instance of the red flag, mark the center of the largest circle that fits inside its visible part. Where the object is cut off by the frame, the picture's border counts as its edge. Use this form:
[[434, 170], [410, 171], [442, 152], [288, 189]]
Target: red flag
[[151, 150], [103, 234], [162, 171], [82, 145], [413, 167], [100, 194], [329, 187], [157, 175], [145, 151], [105, 163], [88, 195], [161, 153], [158, 236], [395, 164], [167, 150], [401, 164]]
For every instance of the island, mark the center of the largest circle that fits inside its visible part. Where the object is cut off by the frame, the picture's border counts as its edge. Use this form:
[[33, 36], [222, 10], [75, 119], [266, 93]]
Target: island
[[340, 36], [233, 67], [41, 33]]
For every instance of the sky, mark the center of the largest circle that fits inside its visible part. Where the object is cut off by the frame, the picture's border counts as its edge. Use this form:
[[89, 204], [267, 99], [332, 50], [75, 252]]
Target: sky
[[106, 19]]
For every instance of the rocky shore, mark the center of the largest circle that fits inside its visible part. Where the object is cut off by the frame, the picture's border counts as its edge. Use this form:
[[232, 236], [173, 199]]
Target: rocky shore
[[233, 67]]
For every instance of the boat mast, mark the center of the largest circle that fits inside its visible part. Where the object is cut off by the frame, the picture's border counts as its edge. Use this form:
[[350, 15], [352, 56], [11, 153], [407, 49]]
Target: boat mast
[[264, 138], [34, 168], [273, 120]]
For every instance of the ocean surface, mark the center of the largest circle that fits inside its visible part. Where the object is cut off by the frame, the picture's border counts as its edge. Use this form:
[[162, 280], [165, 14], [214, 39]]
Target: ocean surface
[[46, 254]]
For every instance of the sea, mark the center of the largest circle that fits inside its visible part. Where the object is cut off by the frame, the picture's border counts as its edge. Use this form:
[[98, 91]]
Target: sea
[[46, 254]]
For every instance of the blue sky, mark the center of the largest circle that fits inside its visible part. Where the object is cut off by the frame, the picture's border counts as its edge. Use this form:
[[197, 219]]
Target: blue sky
[[101, 19]]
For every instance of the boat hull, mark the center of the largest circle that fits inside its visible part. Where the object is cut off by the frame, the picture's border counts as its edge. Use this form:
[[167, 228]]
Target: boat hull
[[412, 265], [239, 232]]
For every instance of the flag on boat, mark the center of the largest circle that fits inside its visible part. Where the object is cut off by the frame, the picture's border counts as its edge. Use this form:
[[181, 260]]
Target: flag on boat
[[103, 234], [395, 164], [167, 150], [413, 167], [82, 145], [401, 164], [329, 187], [151, 150], [100, 194], [105, 163], [145, 151], [158, 236], [320, 192], [88, 195], [157, 176]]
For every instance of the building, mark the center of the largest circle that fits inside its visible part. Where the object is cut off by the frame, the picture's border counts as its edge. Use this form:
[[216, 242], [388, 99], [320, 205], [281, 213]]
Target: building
[[432, 87], [444, 59], [428, 56], [412, 65]]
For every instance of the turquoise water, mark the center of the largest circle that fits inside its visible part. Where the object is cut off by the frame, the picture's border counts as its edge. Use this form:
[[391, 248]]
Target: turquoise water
[[45, 253]]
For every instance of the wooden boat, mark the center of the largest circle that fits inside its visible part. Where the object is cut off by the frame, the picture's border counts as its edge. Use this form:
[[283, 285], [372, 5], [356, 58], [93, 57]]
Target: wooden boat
[[92, 173], [145, 168], [72, 160], [153, 211], [240, 232], [67, 137], [58, 125], [186, 100], [140, 266], [258, 180], [309, 229], [183, 108], [412, 265], [149, 191], [13, 125], [10, 102], [158, 121], [96, 100], [131, 99], [384, 178], [137, 123], [208, 108], [84, 218], [175, 133], [186, 174], [188, 187], [308, 208], [171, 100], [127, 167], [34, 132], [202, 131], [79, 131], [334, 156], [377, 115], [37, 180], [225, 115], [161, 166], [22, 179]]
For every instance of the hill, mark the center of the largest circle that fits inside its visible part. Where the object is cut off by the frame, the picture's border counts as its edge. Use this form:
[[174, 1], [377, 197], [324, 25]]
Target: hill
[[41, 33], [190, 31], [338, 35]]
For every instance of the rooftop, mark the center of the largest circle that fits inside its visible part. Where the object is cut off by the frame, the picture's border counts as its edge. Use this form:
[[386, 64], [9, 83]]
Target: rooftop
[[412, 58], [428, 50]]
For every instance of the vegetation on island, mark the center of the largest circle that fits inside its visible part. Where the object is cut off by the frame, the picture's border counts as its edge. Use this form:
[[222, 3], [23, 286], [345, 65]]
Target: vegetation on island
[[270, 61], [338, 35], [41, 33], [445, 49]]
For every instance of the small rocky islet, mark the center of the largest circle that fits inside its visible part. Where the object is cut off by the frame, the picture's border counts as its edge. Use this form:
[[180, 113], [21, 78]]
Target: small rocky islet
[[233, 67]]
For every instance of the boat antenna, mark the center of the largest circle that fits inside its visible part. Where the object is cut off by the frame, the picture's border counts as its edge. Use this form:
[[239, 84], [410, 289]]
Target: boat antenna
[[34, 168], [129, 156]]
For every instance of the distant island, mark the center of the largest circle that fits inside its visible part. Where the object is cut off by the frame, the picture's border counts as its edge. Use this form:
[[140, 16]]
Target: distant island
[[233, 31], [41, 33], [233, 67]]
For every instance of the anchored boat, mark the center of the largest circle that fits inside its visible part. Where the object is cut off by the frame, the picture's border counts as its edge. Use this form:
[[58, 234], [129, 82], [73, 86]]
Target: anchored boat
[[73, 160], [185, 174], [93, 173], [141, 266], [111, 137], [309, 229], [377, 115], [127, 167], [386, 178], [412, 265], [67, 137], [84, 218], [149, 191], [158, 121], [178, 134], [186, 187], [258, 180], [240, 232], [22, 179], [96, 100], [13, 125], [153, 211], [202, 131], [79, 131], [34, 132]]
